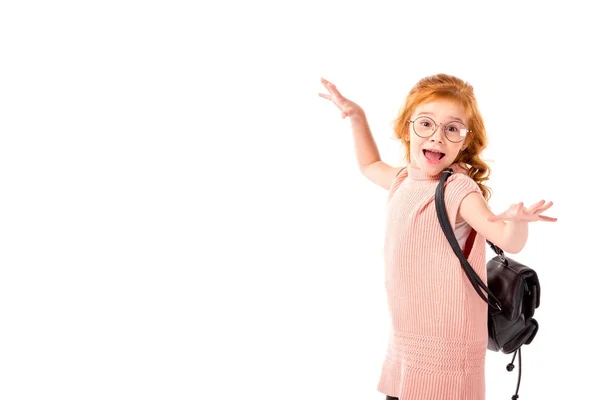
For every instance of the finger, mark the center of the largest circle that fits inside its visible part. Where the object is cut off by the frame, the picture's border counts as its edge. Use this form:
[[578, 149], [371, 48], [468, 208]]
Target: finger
[[535, 206], [331, 88], [542, 209], [326, 82], [329, 97], [516, 210], [548, 219]]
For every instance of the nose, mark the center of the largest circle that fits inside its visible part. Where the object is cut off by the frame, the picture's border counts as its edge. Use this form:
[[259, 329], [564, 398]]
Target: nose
[[437, 134]]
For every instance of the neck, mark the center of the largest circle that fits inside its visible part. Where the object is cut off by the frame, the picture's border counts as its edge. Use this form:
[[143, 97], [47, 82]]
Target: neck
[[416, 173]]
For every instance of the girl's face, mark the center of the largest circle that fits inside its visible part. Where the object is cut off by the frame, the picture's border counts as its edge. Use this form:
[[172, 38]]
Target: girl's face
[[438, 151]]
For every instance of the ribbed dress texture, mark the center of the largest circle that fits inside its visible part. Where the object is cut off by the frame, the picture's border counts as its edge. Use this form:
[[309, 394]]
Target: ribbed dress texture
[[438, 337]]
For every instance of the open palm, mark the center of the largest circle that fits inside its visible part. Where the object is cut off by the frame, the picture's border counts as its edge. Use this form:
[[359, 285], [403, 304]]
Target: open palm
[[347, 107], [518, 213]]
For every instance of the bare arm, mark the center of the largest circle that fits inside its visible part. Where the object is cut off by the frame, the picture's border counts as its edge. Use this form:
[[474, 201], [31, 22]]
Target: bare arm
[[508, 230], [381, 174], [366, 149], [367, 153]]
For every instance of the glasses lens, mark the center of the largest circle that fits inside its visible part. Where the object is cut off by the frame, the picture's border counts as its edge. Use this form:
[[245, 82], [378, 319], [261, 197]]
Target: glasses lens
[[456, 131], [423, 126]]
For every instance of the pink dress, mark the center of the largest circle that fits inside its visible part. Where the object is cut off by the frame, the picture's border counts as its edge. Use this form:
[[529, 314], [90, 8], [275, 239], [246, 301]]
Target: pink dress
[[438, 337]]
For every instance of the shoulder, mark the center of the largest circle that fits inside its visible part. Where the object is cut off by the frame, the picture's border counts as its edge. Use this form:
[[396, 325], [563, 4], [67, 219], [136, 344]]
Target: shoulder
[[461, 178], [459, 185], [398, 179], [402, 169]]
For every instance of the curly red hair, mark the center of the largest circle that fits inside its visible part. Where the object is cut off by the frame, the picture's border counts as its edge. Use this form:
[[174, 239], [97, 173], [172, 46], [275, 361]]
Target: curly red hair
[[448, 87]]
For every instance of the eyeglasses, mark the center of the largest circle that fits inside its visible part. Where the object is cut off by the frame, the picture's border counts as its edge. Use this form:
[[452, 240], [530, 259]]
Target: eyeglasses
[[425, 127]]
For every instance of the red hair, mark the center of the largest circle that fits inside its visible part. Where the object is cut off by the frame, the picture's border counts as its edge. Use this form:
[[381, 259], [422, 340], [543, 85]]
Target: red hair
[[447, 87]]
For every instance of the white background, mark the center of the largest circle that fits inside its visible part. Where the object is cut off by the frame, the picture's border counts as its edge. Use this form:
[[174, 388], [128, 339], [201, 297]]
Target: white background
[[182, 217]]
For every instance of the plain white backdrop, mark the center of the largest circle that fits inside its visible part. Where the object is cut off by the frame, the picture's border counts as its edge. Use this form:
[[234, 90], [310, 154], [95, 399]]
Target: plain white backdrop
[[182, 217]]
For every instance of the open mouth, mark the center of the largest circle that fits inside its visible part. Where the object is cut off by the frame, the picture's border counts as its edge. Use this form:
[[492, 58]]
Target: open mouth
[[433, 155]]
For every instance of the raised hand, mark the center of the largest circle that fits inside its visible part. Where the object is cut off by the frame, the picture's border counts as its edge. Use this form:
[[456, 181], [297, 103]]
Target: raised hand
[[518, 213], [347, 107]]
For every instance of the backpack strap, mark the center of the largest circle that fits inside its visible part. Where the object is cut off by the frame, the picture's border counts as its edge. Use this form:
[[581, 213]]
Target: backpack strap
[[510, 367], [442, 215]]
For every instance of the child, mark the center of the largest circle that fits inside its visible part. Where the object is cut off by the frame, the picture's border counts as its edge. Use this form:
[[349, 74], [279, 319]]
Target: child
[[438, 340]]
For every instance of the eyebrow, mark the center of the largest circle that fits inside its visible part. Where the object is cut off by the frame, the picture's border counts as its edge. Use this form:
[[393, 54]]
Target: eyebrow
[[430, 113]]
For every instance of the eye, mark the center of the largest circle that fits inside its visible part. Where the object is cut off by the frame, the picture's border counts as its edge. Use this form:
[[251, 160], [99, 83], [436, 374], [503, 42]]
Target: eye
[[426, 124], [455, 127]]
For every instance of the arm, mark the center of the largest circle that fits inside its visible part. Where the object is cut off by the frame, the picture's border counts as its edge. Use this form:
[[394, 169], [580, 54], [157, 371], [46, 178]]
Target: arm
[[364, 144], [510, 238], [507, 230], [367, 154], [381, 174]]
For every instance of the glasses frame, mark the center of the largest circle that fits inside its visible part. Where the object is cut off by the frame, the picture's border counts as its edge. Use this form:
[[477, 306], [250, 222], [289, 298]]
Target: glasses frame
[[435, 126]]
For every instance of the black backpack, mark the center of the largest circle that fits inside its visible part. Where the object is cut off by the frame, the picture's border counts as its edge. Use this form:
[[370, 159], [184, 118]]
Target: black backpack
[[513, 292]]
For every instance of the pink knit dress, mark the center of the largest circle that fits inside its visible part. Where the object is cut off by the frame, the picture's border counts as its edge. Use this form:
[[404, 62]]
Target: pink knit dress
[[438, 337]]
